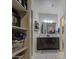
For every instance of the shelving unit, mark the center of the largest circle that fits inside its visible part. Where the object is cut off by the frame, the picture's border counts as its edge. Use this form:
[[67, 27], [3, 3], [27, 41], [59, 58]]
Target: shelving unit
[[19, 28], [18, 6], [19, 51], [24, 27]]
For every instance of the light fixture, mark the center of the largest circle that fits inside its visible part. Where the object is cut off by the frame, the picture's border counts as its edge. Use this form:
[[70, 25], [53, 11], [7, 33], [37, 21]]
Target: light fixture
[[48, 21]]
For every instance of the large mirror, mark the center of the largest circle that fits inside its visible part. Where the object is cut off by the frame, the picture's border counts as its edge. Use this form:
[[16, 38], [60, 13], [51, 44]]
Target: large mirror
[[48, 23], [49, 28]]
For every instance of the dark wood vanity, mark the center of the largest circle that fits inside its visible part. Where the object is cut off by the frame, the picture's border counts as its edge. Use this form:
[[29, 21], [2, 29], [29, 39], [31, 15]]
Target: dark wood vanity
[[47, 43]]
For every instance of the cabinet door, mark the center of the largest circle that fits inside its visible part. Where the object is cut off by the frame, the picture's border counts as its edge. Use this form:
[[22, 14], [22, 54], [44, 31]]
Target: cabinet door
[[62, 26]]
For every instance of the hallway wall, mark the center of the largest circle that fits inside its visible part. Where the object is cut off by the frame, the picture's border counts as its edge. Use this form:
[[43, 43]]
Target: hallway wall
[[36, 10]]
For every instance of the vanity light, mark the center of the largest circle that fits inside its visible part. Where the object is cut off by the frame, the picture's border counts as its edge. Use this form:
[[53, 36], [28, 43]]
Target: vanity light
[[48, 21]]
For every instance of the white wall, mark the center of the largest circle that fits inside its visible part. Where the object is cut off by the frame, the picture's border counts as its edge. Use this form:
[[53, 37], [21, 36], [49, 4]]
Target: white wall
[[40, 8]]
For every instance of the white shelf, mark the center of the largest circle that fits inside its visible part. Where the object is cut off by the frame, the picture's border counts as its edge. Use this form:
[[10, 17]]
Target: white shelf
[[16, 5], [19, 28], [17, 52]]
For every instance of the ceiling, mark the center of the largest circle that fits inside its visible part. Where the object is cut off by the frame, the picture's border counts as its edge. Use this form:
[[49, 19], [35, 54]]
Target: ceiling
[[50, 6]]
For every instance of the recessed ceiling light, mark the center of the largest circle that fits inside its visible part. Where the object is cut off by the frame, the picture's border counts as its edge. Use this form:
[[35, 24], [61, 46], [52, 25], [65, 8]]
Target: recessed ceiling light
[[52, 5]]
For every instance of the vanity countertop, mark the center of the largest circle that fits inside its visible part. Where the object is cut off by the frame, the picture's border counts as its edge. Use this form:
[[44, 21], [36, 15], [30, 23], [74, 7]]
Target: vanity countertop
[[49, 36]]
